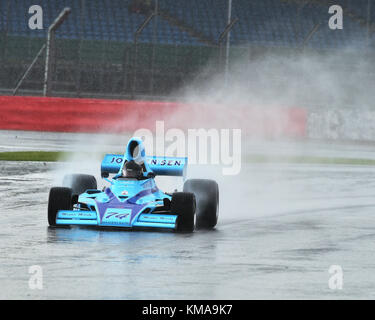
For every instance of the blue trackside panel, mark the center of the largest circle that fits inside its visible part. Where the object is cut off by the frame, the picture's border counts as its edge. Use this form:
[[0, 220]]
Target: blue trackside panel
[[167, 166]]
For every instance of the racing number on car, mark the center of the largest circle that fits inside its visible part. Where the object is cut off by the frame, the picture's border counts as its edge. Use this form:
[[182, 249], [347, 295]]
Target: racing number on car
[[116, 215], [117, 160]]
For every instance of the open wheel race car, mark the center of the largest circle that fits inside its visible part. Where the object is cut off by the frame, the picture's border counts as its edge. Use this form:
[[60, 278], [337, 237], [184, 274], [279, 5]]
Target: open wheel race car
[[133, 199]]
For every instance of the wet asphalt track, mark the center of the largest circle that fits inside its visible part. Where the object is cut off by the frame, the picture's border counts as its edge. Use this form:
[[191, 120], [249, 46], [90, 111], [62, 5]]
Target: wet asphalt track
[[294, 222], [281, 227]]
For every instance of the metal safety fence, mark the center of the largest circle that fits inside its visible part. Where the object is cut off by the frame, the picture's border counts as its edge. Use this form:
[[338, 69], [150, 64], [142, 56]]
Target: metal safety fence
[[79, 52]]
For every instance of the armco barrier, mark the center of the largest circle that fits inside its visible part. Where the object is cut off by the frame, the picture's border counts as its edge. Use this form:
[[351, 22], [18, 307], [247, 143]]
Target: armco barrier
[[97, 115]]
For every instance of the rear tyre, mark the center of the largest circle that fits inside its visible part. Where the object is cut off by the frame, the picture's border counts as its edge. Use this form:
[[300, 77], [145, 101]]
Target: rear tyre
[[207, 196], [60, 198], [183, 204], [79, 183]]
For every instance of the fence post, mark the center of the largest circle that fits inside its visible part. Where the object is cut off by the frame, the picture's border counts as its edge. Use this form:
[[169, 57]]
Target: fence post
[[82, 7], [19, 83], [154, 40], [223, 35], [50, 48], [310, 35], [136, 35], [368, 23]]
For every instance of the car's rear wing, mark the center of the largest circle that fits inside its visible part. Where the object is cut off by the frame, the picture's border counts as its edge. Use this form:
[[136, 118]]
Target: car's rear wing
[[162, 166]]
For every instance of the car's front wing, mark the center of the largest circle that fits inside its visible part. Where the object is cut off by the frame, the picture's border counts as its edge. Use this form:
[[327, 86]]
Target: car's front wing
[[116, 218]]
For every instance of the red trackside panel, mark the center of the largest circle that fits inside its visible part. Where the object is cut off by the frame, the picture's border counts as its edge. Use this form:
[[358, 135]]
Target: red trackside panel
[[98, 115]]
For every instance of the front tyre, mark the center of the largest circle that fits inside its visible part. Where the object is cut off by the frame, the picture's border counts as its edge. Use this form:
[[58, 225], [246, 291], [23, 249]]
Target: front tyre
[[79, 183], [60, 198], [207, 195], [183, 204]]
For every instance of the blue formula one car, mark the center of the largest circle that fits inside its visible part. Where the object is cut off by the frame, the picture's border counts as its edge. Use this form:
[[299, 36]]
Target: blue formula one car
[[133, 199]]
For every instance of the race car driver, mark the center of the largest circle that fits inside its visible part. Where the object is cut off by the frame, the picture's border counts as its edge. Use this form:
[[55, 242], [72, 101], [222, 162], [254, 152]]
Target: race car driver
[[133, 170]]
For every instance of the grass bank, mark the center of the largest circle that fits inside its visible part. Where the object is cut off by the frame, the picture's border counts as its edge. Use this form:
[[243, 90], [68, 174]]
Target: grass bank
[[64, 156]]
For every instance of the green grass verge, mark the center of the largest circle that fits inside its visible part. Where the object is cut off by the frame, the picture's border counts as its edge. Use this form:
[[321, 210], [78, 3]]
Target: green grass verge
[[39, 155], [30, 156], [308, 160], [64, 156]]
